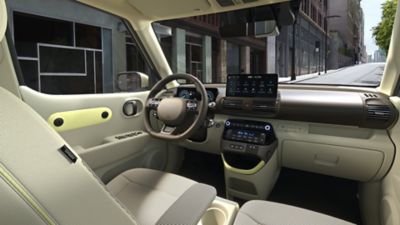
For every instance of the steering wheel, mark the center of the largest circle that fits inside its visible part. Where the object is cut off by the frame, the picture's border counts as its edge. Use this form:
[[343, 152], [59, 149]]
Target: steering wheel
[[176, 113]]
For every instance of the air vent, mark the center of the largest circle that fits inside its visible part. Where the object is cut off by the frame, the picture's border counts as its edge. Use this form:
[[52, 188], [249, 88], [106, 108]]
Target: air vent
[[379, 112], [370, 95], [232, 104], [263, 106]]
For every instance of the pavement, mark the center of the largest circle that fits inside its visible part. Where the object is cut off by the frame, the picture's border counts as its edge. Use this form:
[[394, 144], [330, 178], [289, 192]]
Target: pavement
[[369, 74]]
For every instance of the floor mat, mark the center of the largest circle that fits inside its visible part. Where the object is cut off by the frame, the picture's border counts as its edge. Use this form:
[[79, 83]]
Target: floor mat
[[329, 195], [204, 168]]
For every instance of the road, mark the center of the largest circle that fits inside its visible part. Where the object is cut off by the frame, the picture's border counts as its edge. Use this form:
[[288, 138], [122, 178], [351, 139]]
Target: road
[[369, 74]]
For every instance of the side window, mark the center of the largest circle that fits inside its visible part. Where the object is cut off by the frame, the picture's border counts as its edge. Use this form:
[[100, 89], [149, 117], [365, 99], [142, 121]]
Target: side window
[[76, 51]]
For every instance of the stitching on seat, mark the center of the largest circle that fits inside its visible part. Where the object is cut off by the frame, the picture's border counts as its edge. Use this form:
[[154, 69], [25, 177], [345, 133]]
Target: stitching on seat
[[150, 187]]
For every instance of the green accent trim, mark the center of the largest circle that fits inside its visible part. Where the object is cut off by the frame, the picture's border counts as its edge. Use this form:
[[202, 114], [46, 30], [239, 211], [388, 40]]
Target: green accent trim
[[254, 170], [79, 118], [25, 195]]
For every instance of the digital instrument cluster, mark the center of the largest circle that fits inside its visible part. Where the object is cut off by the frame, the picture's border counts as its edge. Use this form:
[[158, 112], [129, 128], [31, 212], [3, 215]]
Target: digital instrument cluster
[[191, 93]]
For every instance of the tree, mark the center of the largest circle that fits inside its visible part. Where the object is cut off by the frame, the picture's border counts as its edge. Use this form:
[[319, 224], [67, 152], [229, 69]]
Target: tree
[[383, 32]]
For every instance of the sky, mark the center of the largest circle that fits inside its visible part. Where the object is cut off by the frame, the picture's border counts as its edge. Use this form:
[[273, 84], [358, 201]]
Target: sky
[[372, 16]]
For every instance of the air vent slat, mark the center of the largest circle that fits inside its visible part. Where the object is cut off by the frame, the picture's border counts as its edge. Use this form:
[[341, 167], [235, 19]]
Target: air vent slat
[[264, 106], [379, 112], [232, 104]]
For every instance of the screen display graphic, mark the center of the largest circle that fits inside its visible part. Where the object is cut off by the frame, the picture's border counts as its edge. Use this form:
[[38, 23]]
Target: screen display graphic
[[257, 85]]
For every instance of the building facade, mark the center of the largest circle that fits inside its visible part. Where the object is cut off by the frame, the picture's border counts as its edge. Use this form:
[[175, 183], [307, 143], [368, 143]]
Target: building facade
[[309, 41], [98, 47], [379, 56], [193, 45], [348, 27]]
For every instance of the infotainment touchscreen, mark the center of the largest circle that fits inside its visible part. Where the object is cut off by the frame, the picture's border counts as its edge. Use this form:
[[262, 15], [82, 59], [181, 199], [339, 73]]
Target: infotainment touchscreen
[[254, 85]]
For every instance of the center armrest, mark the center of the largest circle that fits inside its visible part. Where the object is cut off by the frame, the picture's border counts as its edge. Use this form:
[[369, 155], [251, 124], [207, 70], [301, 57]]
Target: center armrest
[[190, 207]]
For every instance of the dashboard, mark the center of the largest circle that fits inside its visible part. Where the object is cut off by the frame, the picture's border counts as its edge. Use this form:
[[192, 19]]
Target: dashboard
[[337, 131], [341, 106]]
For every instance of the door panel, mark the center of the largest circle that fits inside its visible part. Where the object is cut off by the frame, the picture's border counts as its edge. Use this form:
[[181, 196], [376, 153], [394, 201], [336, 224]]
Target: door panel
[[118, 141]]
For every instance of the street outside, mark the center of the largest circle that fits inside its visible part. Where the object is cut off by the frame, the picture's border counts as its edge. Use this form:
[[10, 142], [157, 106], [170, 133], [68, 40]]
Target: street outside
[[369, 74]]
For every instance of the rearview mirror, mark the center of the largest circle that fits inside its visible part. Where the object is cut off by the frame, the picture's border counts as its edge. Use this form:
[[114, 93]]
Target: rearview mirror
[[132, 81], [261, 21]]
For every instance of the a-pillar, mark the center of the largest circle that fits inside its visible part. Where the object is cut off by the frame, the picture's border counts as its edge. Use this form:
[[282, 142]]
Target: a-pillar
[[271, 54], [207, 60], [245, 59], [178, 50], [222, 61]]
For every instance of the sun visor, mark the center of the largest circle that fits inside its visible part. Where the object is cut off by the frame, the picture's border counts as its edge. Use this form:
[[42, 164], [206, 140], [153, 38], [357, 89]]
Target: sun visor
[[169, 8], [3, 19]]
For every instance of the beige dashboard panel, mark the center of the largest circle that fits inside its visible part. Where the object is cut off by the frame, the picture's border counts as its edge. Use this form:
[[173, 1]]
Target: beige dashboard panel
[[347, 162], [364, 154]]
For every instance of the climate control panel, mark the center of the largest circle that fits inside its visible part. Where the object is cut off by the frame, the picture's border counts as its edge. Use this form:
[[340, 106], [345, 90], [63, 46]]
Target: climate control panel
[[249, 137]]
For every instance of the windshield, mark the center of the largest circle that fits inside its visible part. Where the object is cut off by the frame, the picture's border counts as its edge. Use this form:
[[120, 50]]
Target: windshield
[[329, 42]]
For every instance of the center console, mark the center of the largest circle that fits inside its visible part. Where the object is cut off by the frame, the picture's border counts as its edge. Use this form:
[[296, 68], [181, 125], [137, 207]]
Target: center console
[[248, 146], [247, 143]]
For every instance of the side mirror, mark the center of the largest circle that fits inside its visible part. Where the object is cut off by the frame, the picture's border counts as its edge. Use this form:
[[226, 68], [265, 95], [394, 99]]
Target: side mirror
[[266, 28], [132, 81]]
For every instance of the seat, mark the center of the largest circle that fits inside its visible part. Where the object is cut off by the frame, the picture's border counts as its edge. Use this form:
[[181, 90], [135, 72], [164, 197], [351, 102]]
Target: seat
[[258, 212], [147, 193]]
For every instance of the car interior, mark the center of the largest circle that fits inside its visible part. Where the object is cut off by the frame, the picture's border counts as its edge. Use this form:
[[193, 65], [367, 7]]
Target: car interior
[[181, 151]]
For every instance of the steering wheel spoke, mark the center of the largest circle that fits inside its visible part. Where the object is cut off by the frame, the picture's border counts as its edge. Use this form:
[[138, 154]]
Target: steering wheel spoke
[[153, 103], [166, 129], [192, 105]]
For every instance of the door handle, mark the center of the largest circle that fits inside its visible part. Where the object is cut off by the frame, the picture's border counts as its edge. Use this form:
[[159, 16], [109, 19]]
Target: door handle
[[130, 108]]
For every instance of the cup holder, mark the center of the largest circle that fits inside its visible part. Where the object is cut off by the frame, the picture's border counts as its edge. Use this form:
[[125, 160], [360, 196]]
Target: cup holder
[[213, 216]]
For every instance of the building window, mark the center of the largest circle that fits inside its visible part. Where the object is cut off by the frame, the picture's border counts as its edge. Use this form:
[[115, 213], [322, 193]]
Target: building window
[[305, 6], [66, 57], [58, 57], [313, 13], [233, 59], [320, 19], [194, 55]]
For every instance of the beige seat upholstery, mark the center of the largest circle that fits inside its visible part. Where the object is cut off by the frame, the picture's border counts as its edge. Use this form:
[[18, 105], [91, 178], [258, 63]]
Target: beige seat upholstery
[[148, 194], [270, 213]]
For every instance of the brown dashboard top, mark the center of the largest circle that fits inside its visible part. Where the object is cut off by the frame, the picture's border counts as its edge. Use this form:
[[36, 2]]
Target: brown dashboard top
[[322, 104]]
